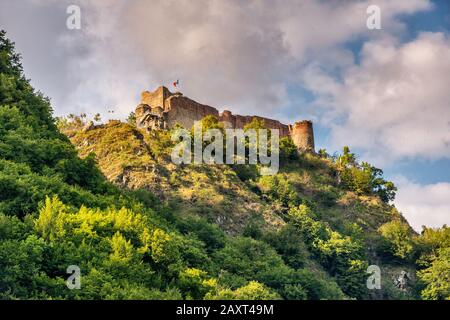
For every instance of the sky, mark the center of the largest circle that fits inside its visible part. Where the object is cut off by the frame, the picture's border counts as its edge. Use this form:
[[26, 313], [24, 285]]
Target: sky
[[383, 92]]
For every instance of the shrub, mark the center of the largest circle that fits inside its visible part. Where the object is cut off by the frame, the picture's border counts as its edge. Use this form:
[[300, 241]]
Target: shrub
[[397, 237], [278, 189], [288, 150]]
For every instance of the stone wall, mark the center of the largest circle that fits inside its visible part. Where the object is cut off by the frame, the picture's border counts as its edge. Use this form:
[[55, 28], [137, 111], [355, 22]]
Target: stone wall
[[185, 111], [156, 98], [164, 109], [302, 134], [238, 122]]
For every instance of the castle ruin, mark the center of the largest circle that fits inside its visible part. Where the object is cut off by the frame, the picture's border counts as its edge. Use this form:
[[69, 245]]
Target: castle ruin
[[163, 109]]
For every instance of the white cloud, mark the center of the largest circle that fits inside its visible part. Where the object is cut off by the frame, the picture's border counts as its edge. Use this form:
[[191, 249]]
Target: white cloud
[[228, 53], [423, 204], [394, 104], [243, 54]]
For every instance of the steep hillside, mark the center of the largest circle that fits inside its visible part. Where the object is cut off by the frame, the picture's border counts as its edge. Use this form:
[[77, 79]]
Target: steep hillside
[[104, 214], [135, 159], [241, 202], [59, 214]]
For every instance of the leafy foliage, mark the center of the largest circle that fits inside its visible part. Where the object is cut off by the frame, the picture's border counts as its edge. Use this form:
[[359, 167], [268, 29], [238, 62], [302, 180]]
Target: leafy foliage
[[341, 255], [288, 150], [398, 238], [311, 237], [434, 248], [437, 276], [363, 178], [278, 189]]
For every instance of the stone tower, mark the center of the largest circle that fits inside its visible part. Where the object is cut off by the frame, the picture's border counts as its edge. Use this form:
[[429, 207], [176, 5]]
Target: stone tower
[[302, 134], [156, 98]]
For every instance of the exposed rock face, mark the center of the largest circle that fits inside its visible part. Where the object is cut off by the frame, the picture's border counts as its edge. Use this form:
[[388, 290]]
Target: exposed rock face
[[163, 109], [401, 281]]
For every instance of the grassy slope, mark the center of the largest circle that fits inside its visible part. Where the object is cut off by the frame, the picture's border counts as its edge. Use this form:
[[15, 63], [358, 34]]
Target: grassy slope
[[130, 158], [135, 159]]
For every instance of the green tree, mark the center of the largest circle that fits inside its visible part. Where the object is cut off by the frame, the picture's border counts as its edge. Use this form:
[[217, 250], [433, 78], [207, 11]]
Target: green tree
[[131, 119], [434, 249], [347, 159], [364, 179], [288, 150], [436, 275], [255, 291], [397, 237], [304, 219], [195, 283], [255, 124], [279, 189], [323, 153], [211, 122]]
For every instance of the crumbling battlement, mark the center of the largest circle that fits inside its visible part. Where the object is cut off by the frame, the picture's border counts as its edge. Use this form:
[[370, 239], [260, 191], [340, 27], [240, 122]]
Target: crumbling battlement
[[238, 122], [302, 134], [163, 109]]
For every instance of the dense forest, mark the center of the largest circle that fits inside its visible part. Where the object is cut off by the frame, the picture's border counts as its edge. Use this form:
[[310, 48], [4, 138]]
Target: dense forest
[[108, 200]]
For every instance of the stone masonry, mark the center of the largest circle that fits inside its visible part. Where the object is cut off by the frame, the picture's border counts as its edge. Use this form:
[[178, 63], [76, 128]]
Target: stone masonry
[[163, 109]]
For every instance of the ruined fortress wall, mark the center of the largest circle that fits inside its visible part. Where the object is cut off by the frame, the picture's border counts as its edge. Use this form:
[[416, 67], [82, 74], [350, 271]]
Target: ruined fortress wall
[[185, 111], [156, 98], [239, 122], [302, 135], [141, 110], [163, 109]]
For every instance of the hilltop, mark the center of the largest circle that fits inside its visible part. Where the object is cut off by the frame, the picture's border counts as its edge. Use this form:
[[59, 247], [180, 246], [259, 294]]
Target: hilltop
[[107, 200], [242, 203]]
